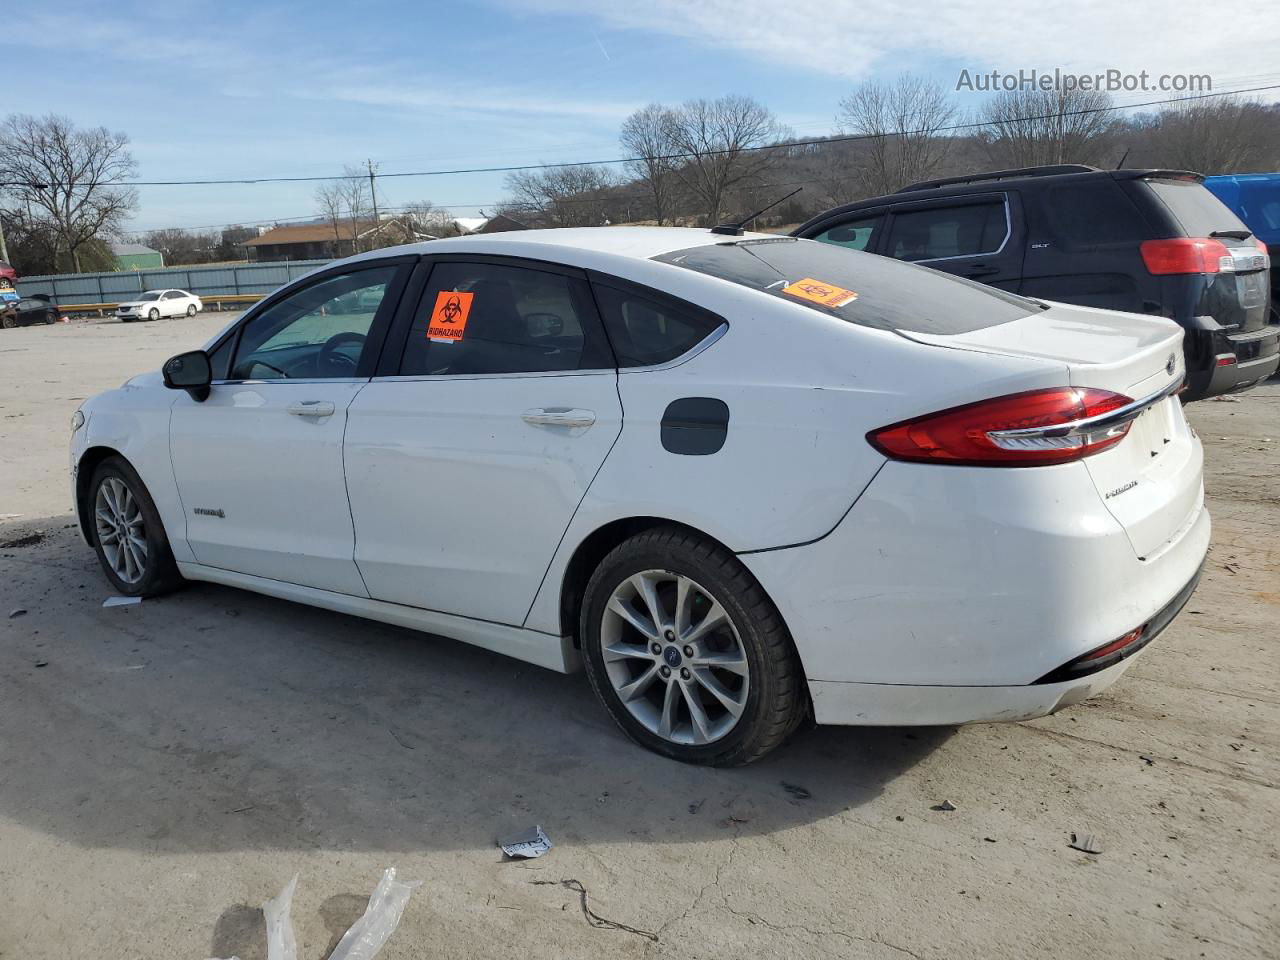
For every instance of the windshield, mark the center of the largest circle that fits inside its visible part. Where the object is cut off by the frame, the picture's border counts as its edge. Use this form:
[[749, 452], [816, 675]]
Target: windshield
[[860, 288], [150, 296]]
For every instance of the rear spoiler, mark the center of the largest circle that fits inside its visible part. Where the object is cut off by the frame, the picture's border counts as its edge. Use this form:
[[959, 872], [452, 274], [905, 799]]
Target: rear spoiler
[[1158, 175]]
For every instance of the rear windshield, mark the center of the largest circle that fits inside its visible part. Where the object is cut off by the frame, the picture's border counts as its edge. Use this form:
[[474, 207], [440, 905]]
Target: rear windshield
[[861, 288], [1197, 211]]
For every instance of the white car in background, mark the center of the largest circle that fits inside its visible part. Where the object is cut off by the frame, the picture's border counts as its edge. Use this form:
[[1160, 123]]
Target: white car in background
[[155, 304], [742, 479]]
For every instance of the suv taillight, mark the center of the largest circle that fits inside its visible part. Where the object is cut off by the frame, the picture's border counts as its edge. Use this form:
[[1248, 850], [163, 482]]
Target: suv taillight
[[1185, 255], [1021, 430]]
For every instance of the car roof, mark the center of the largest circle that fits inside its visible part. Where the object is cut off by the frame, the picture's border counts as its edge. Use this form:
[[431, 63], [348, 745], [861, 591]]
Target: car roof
[[1030, 178], [572, 245]]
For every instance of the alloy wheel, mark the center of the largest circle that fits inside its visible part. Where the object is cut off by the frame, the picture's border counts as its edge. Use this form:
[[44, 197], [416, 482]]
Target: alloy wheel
[[121, 531], [674, 657]]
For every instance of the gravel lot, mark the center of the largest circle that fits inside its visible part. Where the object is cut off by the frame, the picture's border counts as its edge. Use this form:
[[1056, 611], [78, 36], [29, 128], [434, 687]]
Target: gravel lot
[[166, 768]]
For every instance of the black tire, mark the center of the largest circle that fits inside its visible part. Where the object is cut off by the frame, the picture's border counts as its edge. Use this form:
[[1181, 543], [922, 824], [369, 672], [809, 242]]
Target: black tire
[[154, 314], [191, 310], [777, 700], [8, 321], [160, 574]]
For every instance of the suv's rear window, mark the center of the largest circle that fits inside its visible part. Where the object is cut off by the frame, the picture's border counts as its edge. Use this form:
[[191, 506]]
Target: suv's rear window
[[1197, 210], [891, 295]]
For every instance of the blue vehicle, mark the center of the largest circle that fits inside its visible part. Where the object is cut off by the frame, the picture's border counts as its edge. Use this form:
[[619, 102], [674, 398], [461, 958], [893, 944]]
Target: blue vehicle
[[1255, 199]]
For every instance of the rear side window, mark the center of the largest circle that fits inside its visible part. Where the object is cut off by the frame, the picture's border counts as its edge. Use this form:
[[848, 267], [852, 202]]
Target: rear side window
[[644, 331], [1091, 213], [1195, 209], [862, 288], [852, 234], [963, 230], [485, 318]]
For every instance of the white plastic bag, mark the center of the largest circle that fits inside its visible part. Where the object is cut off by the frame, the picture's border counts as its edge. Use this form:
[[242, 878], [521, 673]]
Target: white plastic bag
[[368, 934], [280, 942]]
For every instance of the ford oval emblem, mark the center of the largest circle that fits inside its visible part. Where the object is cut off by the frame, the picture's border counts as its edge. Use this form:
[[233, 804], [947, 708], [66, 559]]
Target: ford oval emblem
[[1173, 362]]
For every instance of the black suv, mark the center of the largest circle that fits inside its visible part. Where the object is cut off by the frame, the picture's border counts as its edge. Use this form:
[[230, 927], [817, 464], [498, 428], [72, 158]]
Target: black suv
[[1145, 241]]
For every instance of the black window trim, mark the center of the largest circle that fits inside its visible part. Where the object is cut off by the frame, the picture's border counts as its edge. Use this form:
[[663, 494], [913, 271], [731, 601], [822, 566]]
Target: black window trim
[[377, 330], [596, 278], [962, 200], [397, 340]]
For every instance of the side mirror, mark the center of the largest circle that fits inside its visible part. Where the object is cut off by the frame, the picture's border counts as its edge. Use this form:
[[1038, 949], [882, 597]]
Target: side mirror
[[190, 372]]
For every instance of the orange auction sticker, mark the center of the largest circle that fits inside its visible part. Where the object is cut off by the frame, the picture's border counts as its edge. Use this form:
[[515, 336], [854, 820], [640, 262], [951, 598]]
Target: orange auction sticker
[[827, 294], [449, 315]]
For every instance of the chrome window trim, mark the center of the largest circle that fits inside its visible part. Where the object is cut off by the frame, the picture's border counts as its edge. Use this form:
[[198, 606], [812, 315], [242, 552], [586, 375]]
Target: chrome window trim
[[520, 375], [253, 383], [1008, 234], [703, 344]]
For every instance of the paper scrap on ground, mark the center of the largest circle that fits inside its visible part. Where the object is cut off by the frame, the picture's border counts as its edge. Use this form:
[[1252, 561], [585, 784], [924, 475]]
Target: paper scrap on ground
[[532, 843], [121, 601]]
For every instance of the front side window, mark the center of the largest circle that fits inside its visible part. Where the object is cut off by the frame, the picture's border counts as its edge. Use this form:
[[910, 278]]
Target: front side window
[[318, 332], [644, 331], [152, 295], [962, 230], [485, 318], [852, 234]]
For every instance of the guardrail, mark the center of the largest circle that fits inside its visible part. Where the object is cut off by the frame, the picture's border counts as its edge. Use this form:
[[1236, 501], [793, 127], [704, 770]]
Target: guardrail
[[229, 301]]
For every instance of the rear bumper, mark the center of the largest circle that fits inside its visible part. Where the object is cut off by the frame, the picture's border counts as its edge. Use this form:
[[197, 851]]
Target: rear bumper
[[946, 593], [1222, 362]]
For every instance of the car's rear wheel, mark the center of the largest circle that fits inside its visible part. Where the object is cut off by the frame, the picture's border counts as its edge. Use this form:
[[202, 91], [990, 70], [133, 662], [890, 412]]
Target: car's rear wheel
[[154, 314], [191, 309], [687, 653], [127, 533]]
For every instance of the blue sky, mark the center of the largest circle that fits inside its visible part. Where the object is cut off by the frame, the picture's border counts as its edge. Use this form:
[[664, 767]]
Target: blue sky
[[239, 89]]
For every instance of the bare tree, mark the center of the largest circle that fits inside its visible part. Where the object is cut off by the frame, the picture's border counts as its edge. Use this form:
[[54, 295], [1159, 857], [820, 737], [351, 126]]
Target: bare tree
[[1028, 128], [902, 125], [179, 246], [1218, 135], [646, 136], [721, 144], [75, 176], [330, 199], [428, 218], [573, 196]]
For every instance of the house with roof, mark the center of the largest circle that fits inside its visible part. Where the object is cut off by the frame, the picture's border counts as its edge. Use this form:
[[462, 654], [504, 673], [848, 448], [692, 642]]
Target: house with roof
[[329, 239]]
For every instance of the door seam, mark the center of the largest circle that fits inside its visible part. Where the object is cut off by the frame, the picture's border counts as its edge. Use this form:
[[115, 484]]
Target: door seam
[[346, 488]]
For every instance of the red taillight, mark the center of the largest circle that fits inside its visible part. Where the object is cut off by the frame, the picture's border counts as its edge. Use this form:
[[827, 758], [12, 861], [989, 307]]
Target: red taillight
[[1021, 430], [1133, 636], [1184, 255]]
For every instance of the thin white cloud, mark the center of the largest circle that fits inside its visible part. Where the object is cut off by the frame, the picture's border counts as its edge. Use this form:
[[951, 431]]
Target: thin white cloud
[[856, 39]]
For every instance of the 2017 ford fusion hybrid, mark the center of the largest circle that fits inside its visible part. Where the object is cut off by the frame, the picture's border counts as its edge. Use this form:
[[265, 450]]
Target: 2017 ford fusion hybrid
[[741, 479]]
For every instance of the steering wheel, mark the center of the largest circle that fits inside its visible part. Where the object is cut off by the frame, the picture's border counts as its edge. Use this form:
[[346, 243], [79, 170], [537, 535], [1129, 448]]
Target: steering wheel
[[336, 363], [553, 321]]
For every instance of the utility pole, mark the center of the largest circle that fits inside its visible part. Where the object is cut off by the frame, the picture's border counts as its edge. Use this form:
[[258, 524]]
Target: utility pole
[[4, 250], [373, 194]]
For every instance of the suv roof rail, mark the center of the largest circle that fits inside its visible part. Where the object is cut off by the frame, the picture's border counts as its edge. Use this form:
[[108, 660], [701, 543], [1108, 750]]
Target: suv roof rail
[[1052, 170]]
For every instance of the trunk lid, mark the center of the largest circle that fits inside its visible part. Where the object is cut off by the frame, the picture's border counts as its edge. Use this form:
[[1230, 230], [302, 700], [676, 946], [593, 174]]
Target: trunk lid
[[1150, 481]]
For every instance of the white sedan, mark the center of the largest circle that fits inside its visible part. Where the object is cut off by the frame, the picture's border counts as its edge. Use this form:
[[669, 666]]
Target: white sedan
[[155, 304], [741, 479]]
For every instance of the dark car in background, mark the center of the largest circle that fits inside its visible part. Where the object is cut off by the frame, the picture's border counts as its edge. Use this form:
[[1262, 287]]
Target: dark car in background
[[29, 311], [1143, 241]]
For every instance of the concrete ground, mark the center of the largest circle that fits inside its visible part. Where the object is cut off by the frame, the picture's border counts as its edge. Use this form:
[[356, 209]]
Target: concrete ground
[[165, 768]]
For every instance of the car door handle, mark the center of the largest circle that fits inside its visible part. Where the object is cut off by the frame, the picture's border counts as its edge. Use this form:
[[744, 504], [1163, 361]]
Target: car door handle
[[311, 408], [559, 417], [981, 270]]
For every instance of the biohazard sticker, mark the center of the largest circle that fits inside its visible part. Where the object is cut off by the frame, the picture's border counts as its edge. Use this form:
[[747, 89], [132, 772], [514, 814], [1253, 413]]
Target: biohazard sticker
[[827, 294], [449, 315]]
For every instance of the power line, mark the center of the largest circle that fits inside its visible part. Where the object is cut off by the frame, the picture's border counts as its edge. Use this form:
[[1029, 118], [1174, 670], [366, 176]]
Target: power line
[[814, 141]]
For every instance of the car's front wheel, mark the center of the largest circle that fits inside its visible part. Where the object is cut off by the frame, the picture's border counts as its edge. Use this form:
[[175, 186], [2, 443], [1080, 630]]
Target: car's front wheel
[[687, 653], [154, 314], [128, 536]]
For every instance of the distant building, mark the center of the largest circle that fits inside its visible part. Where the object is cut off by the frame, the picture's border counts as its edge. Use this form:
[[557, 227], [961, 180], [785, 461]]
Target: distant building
[[134, 256], [328, 240], [500, 224]]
